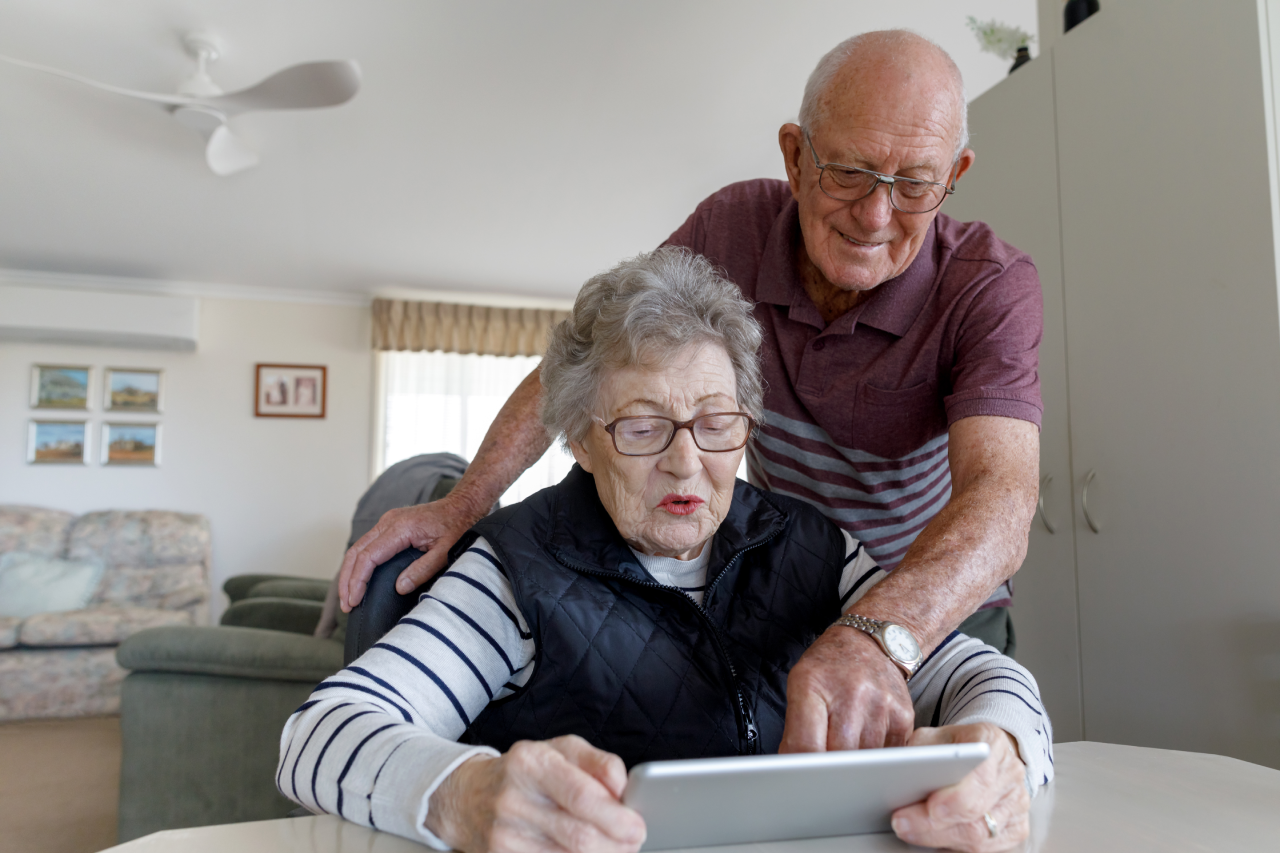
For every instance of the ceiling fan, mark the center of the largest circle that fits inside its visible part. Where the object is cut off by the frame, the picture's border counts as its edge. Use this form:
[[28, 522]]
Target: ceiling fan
[[202, 106]]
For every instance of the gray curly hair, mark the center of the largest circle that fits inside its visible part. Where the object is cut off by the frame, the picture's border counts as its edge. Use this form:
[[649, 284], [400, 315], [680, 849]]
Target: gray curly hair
[[642, 312]]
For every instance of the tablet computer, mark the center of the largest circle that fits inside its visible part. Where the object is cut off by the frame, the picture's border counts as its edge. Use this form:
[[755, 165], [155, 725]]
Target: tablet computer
[[706, 801]]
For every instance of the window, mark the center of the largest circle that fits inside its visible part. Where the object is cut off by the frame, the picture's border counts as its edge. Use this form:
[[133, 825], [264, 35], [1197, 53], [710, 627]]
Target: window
[[436, 402]]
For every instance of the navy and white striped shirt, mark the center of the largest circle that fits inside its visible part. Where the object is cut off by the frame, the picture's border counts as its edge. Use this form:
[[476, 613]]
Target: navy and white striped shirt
[[376, 739]]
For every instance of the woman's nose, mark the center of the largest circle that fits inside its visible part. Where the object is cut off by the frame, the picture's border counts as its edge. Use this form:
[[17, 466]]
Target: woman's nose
[[682, 458]]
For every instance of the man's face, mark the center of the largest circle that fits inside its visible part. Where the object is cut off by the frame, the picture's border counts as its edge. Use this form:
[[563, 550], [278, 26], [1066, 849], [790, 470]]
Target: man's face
[[858, 245]]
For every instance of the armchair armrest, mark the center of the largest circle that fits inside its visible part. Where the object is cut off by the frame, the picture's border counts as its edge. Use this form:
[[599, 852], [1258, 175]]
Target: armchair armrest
[[277, 614], [228, 651], [240, 586], [304, 589]]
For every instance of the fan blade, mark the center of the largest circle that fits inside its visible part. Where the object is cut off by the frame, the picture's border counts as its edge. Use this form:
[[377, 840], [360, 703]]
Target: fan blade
[[171, 100], [298, 87], [227, 154]]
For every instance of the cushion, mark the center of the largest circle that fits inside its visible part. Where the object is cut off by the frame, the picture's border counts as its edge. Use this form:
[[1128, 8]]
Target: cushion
[[132, 538], [9, 631], [97, 626], [34, 583], [166, 587], [34, 530]]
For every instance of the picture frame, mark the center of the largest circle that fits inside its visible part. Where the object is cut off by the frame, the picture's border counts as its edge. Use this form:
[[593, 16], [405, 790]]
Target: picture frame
[[56, 442], [130, 444], [61, 386], [290, 390], [133, 389]]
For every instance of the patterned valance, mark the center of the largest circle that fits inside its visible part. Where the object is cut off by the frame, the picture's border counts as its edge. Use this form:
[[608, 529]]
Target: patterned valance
[[404, 325]]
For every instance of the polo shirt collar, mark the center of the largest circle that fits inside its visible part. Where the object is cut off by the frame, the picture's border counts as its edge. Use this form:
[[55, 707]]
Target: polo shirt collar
[[891, 307]]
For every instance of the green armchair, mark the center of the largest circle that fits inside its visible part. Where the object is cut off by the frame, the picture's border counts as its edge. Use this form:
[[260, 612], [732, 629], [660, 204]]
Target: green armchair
[[219, 697], [202, 709]]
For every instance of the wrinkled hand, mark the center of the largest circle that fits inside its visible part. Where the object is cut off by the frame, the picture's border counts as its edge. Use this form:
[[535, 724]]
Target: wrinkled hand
[[432, 528], [555, 796], [845, 693], [952, 816]]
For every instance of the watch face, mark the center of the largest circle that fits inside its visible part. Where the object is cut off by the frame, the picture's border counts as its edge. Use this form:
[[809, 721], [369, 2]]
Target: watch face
[[900, 643]]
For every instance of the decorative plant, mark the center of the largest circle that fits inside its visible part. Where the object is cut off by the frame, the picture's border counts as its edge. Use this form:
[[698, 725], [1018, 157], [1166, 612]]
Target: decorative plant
[[1000, 39]]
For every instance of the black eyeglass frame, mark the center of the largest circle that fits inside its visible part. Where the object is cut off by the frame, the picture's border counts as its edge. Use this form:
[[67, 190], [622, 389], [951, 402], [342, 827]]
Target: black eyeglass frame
[[890, 180], [678, 425]]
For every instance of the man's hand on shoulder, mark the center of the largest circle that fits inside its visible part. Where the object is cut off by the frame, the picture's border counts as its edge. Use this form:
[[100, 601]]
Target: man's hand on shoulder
[[433, 528], [845, 693]]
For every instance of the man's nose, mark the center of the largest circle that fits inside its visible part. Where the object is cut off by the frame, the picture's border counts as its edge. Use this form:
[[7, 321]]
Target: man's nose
[[682, 458], [875, 210]]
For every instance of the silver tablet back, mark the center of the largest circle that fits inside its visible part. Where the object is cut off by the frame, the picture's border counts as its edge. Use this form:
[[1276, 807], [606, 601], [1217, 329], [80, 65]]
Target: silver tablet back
[[706, 801]]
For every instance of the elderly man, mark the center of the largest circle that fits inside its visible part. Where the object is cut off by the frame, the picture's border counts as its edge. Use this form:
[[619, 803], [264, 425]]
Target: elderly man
[[900, 354]]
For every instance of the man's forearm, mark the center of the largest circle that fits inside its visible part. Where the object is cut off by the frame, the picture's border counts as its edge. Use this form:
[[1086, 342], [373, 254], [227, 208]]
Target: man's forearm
[[975, 543], [515, 440]]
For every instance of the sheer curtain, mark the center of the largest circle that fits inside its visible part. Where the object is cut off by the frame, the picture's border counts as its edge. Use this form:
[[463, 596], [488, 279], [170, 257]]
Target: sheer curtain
[[445, 401]]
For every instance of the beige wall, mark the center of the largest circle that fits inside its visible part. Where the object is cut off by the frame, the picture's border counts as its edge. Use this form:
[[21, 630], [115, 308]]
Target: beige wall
[[279, 493]]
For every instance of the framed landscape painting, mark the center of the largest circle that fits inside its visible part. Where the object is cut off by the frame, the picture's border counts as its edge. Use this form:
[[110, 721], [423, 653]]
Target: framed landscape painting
[[55, 386], [130, 444], [58, 443], [132, 390], [290, 391]]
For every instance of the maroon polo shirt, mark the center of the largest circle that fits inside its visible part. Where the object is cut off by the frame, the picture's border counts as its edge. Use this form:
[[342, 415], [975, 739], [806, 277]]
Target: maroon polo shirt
[[857, 410]]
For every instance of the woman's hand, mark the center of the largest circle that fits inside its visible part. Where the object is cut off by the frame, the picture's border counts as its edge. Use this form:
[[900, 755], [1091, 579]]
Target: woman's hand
[[954, 816], [539, 797]]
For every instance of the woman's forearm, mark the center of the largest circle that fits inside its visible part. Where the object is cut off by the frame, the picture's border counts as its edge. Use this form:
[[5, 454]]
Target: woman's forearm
[[374, 755]]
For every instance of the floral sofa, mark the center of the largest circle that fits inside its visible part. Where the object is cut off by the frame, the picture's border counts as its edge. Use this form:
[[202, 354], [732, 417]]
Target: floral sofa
[[156, 573]]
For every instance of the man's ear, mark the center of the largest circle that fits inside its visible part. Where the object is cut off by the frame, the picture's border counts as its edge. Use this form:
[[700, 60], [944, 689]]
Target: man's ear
[[581, 455], [964, 162], [791, 141]]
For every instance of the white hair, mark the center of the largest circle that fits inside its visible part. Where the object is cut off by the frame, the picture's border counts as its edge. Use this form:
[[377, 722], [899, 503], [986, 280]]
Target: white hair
[[642, 312], [813, 109]]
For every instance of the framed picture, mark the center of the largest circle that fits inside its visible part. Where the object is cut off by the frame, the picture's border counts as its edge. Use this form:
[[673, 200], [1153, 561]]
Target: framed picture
[[56, 386], [130, 444], [58, 443], [132, 390], [290, 391]]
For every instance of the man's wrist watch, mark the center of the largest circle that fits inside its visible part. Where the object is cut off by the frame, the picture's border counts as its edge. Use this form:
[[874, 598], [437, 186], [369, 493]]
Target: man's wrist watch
[[897, 642]]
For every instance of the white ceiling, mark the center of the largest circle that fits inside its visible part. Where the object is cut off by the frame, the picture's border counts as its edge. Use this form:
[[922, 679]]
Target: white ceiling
[[504, 146]]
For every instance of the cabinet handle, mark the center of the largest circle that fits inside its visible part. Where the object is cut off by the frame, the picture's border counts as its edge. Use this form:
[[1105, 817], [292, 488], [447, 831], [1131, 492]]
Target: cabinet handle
[[1084, 500], [1044, 519]]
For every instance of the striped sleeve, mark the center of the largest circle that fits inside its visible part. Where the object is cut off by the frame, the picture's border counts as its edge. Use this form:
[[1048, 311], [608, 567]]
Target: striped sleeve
[[860, 571], [966, 681], [374, 741]]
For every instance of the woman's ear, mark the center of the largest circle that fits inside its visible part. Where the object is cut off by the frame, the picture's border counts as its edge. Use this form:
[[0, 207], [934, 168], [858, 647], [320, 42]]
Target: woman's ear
[[582, 456]]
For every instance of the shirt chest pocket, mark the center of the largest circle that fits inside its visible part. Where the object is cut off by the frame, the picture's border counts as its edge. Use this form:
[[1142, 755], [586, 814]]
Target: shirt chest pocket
[[894, 423]]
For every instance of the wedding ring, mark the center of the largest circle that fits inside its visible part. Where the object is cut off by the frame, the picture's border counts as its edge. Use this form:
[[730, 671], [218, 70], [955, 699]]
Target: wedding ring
[[992, 829]]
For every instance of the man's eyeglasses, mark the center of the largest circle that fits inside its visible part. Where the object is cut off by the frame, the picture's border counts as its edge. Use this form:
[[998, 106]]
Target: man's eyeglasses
[[649, 435], [849, 183]]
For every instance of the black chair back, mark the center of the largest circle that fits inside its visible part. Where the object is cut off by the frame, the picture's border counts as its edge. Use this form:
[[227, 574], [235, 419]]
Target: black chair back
[[381, 608]]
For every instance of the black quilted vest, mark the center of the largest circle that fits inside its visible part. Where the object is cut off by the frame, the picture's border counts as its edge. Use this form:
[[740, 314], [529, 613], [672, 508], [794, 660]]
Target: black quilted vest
[[639, 669]]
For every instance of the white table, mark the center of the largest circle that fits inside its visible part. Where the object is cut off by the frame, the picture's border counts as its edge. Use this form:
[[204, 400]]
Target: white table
[[1105, 798]]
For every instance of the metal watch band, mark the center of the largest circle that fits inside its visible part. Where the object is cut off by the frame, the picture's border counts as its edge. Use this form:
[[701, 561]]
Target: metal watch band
[[862, 623], [874, 628]]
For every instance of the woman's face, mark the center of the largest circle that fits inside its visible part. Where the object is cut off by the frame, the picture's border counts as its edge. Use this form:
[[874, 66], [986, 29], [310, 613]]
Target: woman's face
[[672, 503]]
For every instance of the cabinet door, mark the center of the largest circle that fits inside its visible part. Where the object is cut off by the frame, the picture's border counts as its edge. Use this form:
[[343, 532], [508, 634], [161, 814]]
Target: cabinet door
[[1013, 187], [1173, 347]]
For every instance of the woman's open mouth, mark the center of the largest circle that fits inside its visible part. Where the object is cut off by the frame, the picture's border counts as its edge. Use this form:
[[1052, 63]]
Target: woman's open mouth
[[681, 504]]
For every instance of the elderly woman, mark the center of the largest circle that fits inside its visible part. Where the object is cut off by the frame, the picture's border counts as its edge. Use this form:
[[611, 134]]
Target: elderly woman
[[650, 606]]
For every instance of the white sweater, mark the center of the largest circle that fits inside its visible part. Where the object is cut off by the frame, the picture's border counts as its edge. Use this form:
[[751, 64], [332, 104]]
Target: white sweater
[[376, 739]]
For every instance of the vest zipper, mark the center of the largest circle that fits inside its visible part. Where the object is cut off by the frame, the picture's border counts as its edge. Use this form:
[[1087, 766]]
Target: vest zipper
[[748, 733]]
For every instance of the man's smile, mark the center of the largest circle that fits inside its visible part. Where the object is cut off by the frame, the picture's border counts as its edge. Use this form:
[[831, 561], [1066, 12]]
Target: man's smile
[[860, 243]]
